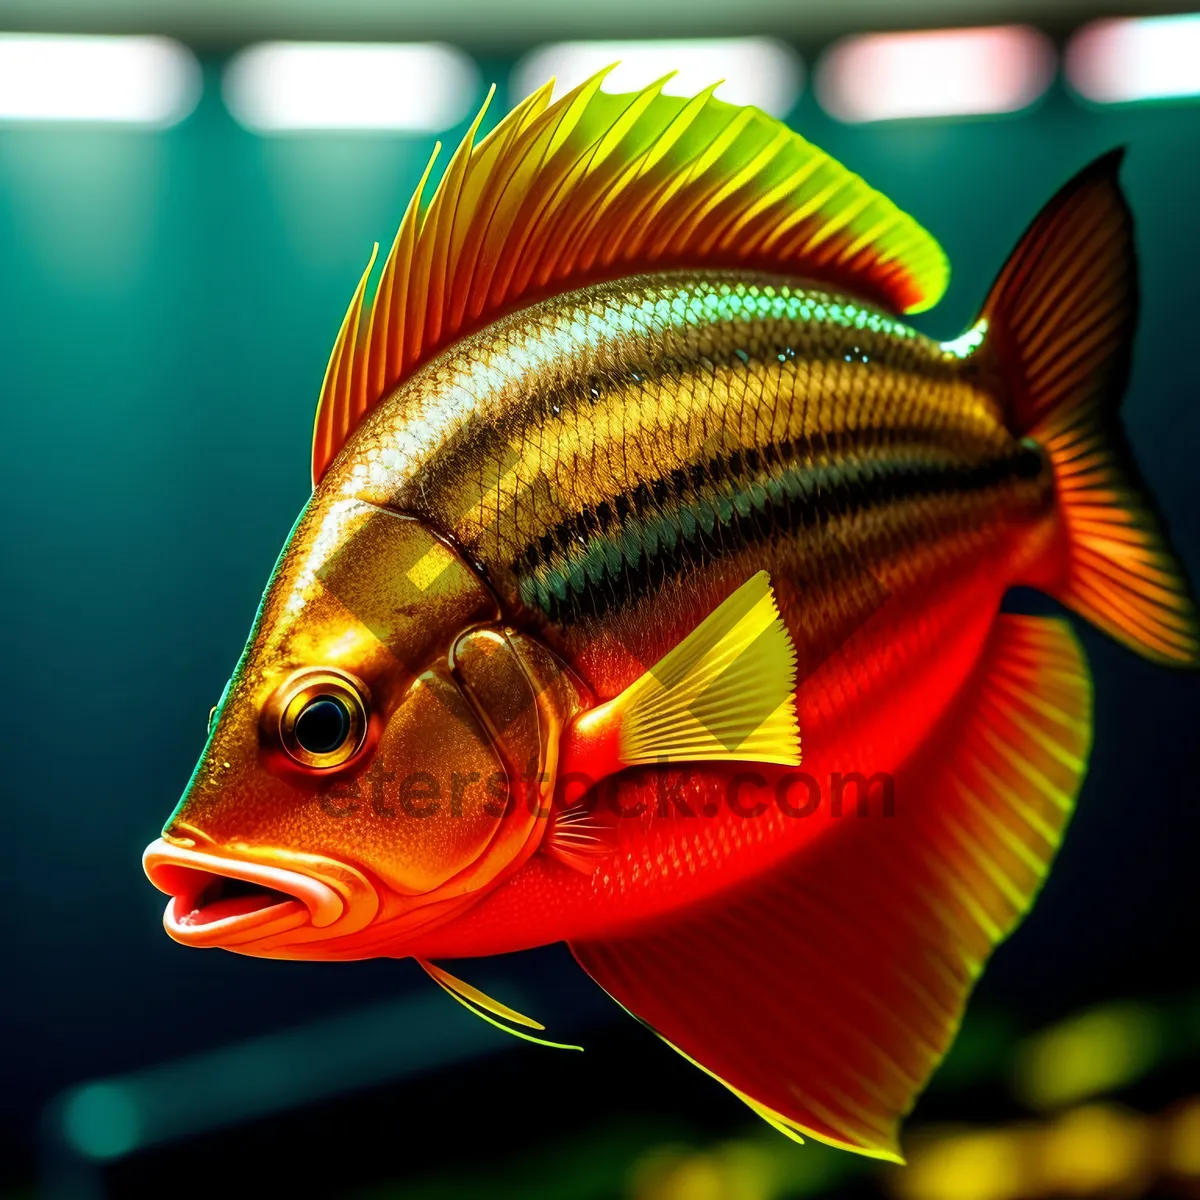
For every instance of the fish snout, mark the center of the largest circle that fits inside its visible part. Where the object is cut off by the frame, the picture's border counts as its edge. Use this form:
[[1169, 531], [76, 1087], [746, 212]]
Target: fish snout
[[253, 903]]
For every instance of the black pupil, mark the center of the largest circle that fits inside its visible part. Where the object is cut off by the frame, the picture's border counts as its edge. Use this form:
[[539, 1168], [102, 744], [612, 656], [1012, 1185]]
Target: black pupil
[[323, 725]]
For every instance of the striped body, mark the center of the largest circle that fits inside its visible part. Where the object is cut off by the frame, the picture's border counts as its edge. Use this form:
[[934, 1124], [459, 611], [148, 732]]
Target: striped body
[[619, 459]]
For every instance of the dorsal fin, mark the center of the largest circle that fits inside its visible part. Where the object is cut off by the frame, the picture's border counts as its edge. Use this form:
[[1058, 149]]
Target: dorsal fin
[[596, 186]]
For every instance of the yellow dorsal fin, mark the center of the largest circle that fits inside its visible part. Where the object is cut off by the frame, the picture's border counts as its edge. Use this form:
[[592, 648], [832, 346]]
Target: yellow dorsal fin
[[597, 186], [726, 693], [491, 1011]]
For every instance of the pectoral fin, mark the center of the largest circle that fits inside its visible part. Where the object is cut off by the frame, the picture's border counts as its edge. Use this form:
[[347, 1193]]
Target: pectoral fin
[[582, 835], [725, 693], [825, 992]]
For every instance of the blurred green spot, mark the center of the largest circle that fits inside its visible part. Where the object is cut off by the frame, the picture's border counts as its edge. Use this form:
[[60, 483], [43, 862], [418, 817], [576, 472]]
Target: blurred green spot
[[101, 1121]]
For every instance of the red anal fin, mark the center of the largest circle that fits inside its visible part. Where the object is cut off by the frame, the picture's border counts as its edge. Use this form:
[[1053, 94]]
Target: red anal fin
[[826, 992]]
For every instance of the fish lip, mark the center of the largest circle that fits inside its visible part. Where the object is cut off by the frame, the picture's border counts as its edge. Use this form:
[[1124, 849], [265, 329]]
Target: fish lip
[[184, 873]]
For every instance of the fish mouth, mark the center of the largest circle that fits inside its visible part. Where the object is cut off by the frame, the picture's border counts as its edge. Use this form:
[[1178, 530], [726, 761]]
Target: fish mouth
[[220, 901]]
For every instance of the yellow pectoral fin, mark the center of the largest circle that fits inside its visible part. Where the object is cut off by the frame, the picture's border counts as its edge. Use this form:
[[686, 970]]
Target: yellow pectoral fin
[[725, 693], [489, 1010]]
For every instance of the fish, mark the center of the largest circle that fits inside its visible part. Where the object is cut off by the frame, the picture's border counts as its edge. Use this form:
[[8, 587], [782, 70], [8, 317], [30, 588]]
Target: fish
[[651, 598]]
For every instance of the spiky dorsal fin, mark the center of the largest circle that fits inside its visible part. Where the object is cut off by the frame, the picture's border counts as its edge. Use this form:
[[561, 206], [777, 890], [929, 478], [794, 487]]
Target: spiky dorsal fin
[[597, 186]]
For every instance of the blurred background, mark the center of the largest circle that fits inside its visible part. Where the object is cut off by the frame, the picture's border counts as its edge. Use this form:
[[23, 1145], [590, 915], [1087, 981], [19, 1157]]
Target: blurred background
[[188, 192]]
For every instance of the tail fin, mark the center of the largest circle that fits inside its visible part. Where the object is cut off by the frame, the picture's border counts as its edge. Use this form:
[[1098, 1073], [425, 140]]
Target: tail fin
[[1060, 323]]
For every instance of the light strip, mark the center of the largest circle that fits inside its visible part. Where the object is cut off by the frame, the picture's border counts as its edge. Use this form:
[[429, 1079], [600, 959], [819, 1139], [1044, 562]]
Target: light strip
[[938, 73], [1123, 60], [420, 87], [115, 80], [758, 71]]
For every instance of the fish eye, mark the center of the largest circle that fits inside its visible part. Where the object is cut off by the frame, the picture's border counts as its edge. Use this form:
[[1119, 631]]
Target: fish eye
[[322, 718], [322, 726]]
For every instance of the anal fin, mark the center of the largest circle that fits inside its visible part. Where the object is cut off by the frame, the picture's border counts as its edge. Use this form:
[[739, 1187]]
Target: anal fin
[[825, 992]]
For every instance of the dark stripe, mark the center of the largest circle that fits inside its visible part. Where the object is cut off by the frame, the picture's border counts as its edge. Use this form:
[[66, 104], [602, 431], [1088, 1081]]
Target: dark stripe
[[608, 556]]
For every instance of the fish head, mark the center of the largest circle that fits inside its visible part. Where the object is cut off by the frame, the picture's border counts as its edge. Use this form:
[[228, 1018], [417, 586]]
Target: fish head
[[349, 791]]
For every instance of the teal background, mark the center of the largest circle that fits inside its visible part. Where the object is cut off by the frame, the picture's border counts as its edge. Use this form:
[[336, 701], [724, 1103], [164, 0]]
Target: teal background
[[167, 304]]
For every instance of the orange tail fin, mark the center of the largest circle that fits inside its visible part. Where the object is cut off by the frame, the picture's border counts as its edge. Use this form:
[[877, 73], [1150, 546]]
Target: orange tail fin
[[1060, 323]]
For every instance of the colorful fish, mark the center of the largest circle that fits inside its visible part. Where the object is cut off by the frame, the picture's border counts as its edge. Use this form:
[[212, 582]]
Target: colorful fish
[[628, 484]]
